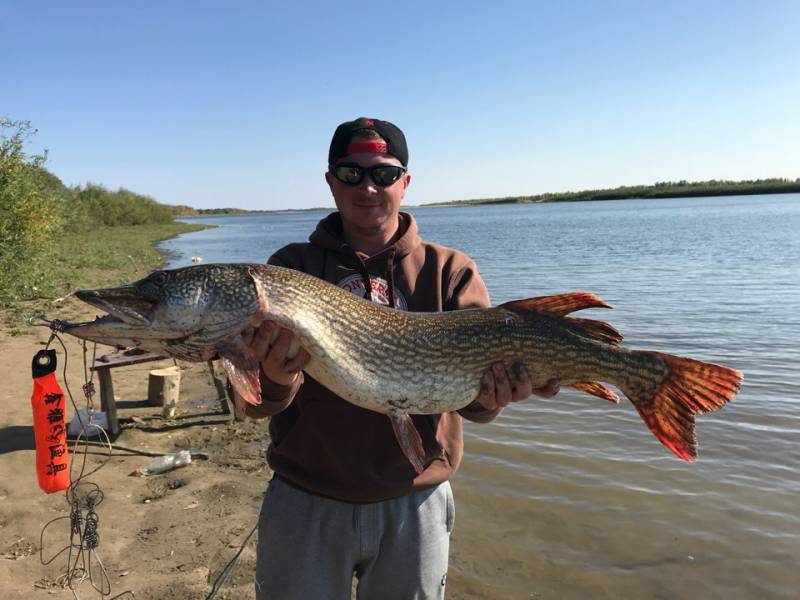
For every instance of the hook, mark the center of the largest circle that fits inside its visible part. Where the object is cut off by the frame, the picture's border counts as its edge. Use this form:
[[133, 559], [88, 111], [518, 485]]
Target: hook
[[55, 325]]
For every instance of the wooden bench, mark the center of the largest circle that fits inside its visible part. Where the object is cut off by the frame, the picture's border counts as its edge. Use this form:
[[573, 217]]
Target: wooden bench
[[103, 365]]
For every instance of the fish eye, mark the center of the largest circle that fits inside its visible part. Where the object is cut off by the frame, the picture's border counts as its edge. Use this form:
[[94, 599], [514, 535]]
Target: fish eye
[[150, 286], [159, 278]]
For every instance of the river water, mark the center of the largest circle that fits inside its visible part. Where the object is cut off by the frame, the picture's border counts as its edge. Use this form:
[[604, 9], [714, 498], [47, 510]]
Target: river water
[[573, 497]]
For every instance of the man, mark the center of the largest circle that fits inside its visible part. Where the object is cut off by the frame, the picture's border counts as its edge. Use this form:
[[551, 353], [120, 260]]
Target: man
[[345, 500]]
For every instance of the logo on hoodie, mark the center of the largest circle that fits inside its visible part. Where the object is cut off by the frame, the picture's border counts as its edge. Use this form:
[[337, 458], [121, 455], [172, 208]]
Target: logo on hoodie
[[380, 290]]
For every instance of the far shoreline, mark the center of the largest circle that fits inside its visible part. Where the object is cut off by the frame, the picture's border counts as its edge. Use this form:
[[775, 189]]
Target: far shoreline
[[581, 197], [656, 192]]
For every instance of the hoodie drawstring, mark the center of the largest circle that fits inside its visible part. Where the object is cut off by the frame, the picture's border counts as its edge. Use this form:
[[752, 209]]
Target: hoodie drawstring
[[366, 279], [324, 263], [364, 272], [390, 275]]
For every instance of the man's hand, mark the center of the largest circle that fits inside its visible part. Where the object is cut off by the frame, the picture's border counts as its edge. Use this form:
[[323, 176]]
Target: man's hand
[[277, 351], [500, 386]]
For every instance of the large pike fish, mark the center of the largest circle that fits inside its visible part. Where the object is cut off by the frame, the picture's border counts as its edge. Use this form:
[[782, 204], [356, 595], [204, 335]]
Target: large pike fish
[[398, 363]]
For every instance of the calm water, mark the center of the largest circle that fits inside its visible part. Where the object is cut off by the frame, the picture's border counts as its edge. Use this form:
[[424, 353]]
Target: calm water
[[573, 497]]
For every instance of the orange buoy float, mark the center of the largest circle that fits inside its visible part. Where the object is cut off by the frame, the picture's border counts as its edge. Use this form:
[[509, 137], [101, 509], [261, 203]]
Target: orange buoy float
[[49, 424]]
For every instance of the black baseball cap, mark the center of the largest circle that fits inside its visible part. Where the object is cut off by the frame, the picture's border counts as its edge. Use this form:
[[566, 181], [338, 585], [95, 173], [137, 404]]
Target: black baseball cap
[[395, 140]]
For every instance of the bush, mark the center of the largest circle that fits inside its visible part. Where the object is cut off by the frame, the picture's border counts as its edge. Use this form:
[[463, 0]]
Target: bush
[[29, 217], [95, 206], [36, 208]]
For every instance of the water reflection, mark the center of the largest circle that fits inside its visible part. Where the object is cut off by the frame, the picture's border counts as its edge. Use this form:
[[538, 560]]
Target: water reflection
[[573, 497]]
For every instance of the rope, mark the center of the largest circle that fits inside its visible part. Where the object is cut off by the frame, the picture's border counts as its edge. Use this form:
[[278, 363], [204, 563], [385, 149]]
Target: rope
[[83, 497], [84, 521], [223, 576]]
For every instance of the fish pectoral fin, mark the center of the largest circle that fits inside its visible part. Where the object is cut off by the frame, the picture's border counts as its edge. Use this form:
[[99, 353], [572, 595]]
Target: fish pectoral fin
[[596, 389], [243, 370], [409, 439], [239, 406], [238, 354]]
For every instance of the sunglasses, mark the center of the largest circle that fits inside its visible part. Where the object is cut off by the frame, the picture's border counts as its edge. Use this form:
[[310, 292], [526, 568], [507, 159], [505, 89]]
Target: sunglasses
[[381, 175]]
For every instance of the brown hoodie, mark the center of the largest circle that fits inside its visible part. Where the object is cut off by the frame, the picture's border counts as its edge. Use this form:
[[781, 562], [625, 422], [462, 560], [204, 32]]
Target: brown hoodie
[[327, 446]]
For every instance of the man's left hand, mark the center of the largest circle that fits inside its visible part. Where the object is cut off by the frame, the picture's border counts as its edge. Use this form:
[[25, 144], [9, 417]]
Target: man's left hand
[[501, 386]]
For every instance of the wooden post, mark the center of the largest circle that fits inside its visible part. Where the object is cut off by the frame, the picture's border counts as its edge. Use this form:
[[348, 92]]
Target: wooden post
[[224, 393], [107, 403], [163, 389]]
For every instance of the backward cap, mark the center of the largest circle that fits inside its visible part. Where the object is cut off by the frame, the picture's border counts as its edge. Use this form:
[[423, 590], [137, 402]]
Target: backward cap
[[395, 140]]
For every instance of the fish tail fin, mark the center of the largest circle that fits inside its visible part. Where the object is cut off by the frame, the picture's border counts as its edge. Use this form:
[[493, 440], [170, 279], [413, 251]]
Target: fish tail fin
[[690, 387]]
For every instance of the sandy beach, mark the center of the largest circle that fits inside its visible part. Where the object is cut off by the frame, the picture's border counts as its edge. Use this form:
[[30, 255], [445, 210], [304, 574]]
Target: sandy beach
[[164, 536]]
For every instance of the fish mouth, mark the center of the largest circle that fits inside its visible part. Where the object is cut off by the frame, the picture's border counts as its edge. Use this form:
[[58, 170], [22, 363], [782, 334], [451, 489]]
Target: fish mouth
[[123, 304]]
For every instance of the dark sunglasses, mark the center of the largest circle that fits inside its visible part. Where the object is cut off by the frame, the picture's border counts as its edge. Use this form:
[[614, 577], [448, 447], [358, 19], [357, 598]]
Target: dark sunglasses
[[381, 175]]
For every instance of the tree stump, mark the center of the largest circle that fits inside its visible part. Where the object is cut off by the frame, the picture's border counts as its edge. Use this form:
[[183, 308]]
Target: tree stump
[[163, 389]]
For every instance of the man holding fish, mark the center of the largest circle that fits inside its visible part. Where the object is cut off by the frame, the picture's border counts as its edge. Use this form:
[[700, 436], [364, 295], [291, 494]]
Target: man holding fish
[[345, 499]]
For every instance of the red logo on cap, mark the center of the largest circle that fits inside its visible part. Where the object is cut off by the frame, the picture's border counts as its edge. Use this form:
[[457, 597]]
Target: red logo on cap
[[367, 146], [370, 122]]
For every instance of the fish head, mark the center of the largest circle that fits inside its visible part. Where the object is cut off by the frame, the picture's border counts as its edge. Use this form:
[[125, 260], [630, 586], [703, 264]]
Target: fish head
[[197, 305]]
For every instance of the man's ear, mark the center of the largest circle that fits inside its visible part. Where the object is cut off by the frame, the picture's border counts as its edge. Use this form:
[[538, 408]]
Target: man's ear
[[329, 180]]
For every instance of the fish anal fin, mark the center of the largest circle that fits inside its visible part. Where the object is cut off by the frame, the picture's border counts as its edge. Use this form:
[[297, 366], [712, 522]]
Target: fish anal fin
[[690, 387], [559, 304], [597, 330], [409, 439], [596, 389]]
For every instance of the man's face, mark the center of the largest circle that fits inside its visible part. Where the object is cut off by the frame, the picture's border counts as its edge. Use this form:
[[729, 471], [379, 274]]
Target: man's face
[[367, 208]]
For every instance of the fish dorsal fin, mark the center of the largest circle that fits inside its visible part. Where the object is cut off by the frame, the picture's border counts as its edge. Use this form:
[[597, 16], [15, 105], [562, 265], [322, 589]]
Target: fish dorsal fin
[[561, 305], [558, 305], [598, 330]]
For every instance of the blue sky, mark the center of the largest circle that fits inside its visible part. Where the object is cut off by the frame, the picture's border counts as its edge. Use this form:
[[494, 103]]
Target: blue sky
[[233, 104]]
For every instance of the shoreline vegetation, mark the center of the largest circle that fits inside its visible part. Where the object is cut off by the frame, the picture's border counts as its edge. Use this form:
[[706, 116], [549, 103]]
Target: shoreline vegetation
[[666, 189], [55, 239]]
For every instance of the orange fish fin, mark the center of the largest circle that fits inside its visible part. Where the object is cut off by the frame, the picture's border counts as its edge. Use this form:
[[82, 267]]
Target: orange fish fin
[[245, 382], [597, 330], [563, 304], [239, 406], [690, 387], [559, 305], [409, 439], [596, 389]]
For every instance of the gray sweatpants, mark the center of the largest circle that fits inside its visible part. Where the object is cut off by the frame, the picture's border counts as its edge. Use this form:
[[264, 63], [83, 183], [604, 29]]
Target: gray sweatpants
[[309, 547]]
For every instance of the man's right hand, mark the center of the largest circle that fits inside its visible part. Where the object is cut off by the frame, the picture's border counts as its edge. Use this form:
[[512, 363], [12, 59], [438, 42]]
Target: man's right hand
[[277, 350]]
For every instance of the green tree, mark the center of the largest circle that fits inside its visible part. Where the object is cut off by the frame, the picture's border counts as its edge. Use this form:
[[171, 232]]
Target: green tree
[[28, 217]]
